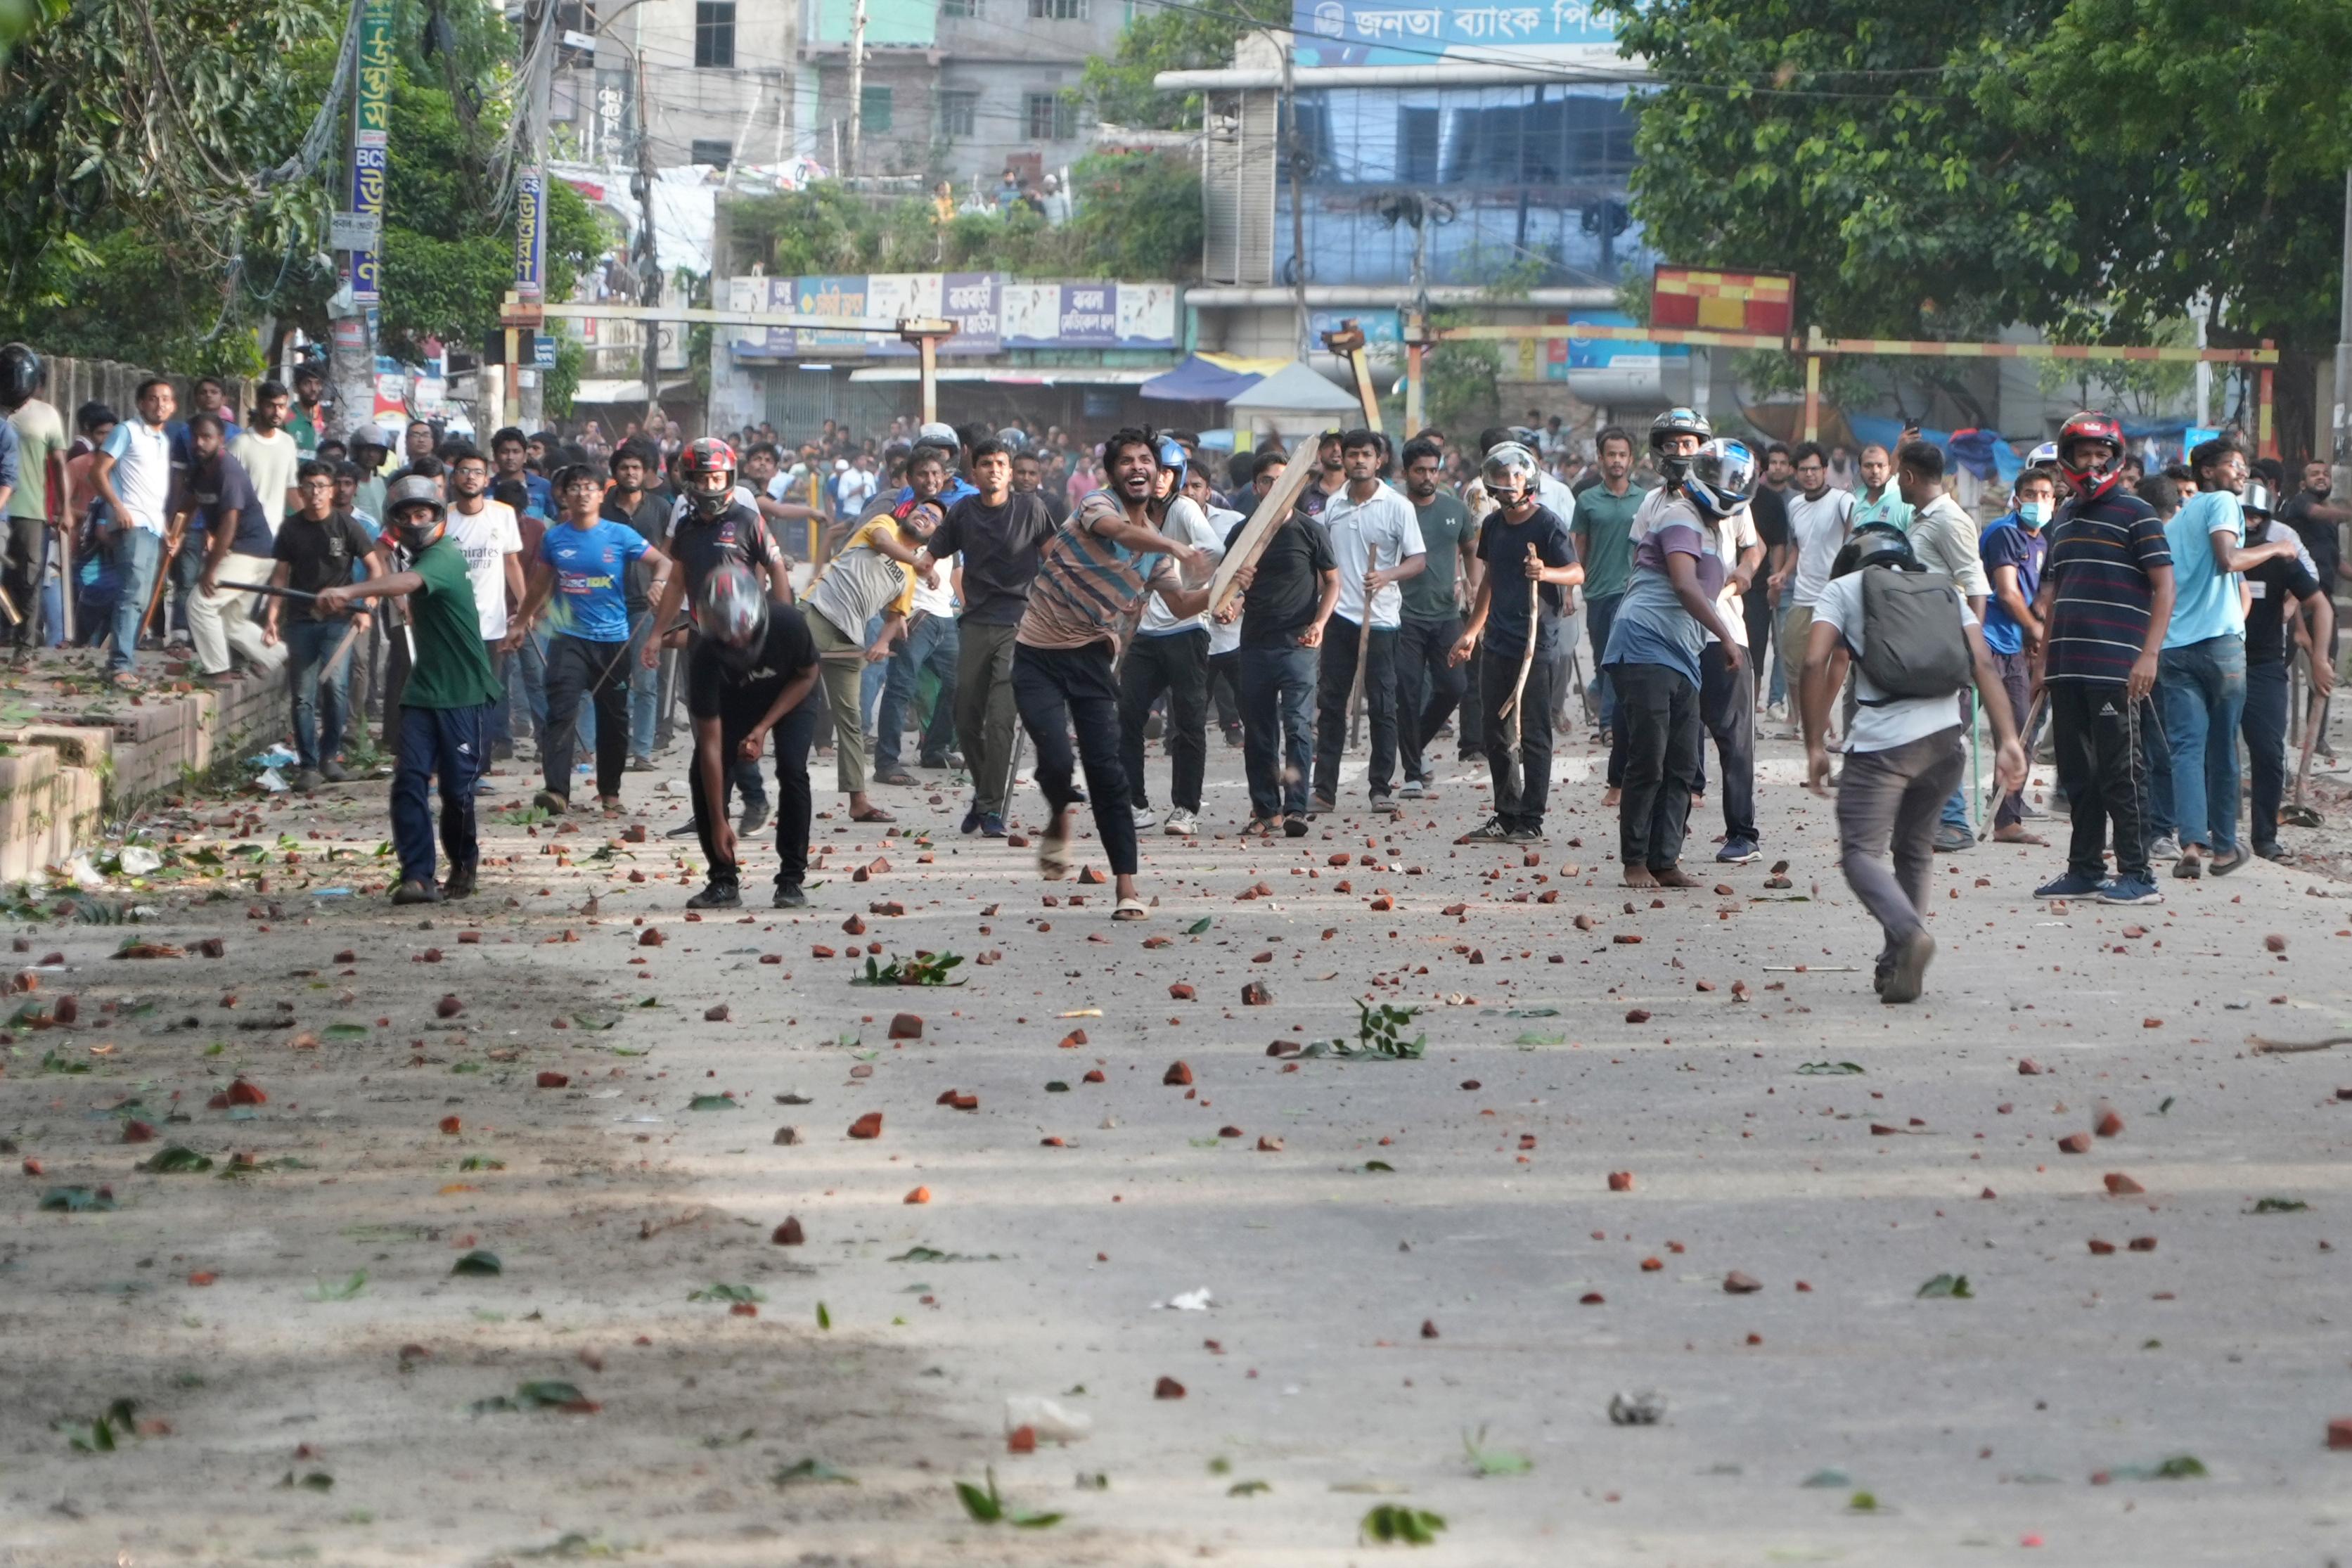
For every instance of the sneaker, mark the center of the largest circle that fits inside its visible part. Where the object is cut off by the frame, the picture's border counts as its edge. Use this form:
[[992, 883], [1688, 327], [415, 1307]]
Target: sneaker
[[1182, 824], [2165, 848], [1295, 826], [1523, 834], [683, 830], [2073, 885], [789, 896], [1737, 852], [1491, 831], [1906, 976], [459, 884], [1234, 736], [308, 780], [416, 893], [992, 825], [1144, 818], [548, 800], [717, 896], [1410, 790], [1386, 804], [1950, 838], [755, 818], [639, 766], [970, 821], [2130, 890], [334, 772], [1321, 806]]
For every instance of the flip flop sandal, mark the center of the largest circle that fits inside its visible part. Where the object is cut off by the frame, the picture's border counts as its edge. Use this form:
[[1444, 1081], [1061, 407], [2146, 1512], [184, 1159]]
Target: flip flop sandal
[[1052, 858], [872, 813], [1130, 910]]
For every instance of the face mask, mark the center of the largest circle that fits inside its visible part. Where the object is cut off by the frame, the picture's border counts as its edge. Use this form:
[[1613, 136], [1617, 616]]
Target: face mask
[[2034, 515]]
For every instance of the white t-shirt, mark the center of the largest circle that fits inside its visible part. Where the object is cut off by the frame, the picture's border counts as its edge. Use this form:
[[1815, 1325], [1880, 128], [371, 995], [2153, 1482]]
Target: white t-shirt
[[1903, 719], [1185, 523], [1386, 526], [1733, 534], [270, 462], [1223, 638], [1818, 529], [854, 488], [487, 537], [142, 472]]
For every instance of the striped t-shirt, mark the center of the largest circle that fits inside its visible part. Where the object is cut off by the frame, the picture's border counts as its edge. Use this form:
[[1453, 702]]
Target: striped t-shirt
[[2101, 553], [1085, 584]]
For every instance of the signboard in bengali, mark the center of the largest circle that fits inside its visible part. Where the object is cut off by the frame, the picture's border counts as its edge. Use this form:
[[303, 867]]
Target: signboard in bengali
[[371, 130], [1363, 32], [530, 235], [1605, 370], [367, 201], [839, 295], [1383, 330], [970, 300], [989, 313], [1724, 301], [1089, 315]]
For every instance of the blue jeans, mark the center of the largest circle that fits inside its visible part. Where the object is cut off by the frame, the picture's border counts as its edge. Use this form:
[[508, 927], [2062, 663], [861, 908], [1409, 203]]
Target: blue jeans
[[1599, 614], [529, 665], [2202, 689], [1277, 745], [455, 743], [137, 556], [321, 697], [933, 643], [645, 698]]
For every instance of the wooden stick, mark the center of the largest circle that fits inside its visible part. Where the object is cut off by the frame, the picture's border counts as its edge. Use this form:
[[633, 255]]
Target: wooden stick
[[1251, 543], [1363, 648], [2263, 1047], [162, 579], [1528, 658]]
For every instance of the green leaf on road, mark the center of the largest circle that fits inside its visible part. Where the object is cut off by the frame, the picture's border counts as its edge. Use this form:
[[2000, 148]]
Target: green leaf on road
[[713, 1102], [1198, 926], [176, 1161], [733, 1294], [75, 1200], [813, 1471], [1952, 1287], [1829, 1069], [480, 1261], [324, 1291], [2278, 1205], [1392, 1524]]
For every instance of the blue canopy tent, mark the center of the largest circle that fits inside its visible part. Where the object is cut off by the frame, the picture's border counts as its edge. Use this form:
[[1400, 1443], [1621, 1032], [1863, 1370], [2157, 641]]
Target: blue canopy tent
[[1198, 379]]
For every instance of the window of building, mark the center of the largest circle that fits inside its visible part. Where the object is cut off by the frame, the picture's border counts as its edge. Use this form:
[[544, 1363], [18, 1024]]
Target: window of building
[[1576, 140], [1052, 116], [1059, 10], [959, 113], [1416, 156], [970, 10], [873, 108], [717, 153], [714, 34]]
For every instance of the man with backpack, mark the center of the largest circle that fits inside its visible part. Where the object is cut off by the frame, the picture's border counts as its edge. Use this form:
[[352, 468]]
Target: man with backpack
[[1914, 645]]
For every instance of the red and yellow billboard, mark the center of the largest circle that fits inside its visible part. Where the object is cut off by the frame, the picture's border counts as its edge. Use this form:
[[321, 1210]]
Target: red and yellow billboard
[[1724, 301]]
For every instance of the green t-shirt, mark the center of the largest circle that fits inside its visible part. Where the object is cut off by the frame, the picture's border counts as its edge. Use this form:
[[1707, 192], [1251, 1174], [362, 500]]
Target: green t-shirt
[[1604, 538], [1444, 522], [40, 434], [452, 669]]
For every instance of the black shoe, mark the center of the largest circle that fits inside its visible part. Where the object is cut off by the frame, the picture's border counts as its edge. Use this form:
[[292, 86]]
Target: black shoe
[[755, 818], [1295, 826], [334, 772], [789, 896], [416, 893], [683, 830], [717, 896], [1525, 835], [1491, 831], [970, 820], [460, 883]]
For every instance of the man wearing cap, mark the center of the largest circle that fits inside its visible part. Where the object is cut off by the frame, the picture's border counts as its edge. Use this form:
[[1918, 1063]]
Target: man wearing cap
[[445, 712]]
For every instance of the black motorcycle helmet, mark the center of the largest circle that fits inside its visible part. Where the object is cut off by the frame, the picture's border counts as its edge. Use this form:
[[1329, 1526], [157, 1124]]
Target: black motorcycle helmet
[[1875, 544], [20, 374]]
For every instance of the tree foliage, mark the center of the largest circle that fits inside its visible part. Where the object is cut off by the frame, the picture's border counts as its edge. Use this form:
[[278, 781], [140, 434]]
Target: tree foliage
[[2090, 167], [1171, 38]]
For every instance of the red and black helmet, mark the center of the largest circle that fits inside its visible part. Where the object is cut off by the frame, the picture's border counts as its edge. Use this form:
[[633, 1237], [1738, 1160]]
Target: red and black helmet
[[2087, 484], [704, 455]]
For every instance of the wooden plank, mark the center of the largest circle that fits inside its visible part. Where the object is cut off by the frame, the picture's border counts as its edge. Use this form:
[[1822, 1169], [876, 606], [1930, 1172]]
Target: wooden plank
[[1252, 541]]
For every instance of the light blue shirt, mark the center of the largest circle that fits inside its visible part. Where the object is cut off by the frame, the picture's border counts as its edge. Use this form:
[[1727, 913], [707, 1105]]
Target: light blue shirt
[[1890, 509], [2205, 600]]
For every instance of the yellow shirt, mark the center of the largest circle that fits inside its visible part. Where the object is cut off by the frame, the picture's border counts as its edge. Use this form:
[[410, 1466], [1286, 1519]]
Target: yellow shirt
[[860, 582]]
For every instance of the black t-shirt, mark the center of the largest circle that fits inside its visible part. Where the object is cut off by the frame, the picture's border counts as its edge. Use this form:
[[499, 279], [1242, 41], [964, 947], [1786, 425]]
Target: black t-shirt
[[737, 689], [1769, 509], [701, 546], [321, 554], [1000, 545], [2318, 534], [650, 517], [1502, 546], [2272, 582], [1287, 586], [1057, 505]]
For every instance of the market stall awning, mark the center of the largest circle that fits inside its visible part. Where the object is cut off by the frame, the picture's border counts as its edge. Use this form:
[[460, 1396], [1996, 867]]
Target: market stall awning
[[1015, 375], [1295, 389], [1209, 378]]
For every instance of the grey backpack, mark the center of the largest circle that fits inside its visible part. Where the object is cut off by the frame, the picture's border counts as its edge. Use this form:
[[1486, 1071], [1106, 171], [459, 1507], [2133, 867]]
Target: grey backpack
[[1913, 643]]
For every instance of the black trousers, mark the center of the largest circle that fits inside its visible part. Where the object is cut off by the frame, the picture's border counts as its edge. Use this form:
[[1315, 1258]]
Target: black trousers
[[1522, 776], [789, 744], [1428, 688], [2263, 724], [2097, 735], [1658, 712], [1225, 689], [1178, 664], [1727, 703], [27, 552], [1054, 688], [1335, 680], [600, 672]]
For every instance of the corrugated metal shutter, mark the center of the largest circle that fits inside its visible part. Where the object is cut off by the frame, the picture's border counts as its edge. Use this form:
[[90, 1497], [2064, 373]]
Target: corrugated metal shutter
[[1237, 187]]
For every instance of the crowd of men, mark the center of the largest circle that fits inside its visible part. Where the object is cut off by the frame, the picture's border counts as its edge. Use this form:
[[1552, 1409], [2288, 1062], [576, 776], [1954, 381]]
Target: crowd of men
[[2149, 620]]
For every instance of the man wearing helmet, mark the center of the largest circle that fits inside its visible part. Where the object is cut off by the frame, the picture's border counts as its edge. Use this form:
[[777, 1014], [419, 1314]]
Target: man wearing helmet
[[752, 672], [1656, 648], [1911, 628], [1529, 568], [445, 707], [2105, 600]]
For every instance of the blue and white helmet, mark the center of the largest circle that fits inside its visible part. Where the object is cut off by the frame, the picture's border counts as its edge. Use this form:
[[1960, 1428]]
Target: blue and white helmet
[[1720, 477], [2046, 452]]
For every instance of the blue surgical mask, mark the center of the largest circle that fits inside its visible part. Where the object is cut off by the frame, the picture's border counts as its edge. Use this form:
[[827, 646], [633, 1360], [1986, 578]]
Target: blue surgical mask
[[2033, 514]]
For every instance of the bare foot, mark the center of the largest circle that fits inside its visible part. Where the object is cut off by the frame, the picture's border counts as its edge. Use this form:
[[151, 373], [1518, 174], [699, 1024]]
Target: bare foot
[[2016, 835], [1675, 876], [1611, 797], [1639, 877]]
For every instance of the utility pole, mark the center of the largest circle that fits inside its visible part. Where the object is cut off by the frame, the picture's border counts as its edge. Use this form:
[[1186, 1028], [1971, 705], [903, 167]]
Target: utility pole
[[356, 306], [857, 85], [1293, 151], [2340, 421], [648, 257]]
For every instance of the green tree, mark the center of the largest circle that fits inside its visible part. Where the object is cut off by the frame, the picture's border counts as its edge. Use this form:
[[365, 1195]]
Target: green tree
[[1171, 38]]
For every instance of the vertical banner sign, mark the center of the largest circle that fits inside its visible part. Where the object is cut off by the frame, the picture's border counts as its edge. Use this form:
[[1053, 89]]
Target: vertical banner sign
[[371, 131], [530, 235]]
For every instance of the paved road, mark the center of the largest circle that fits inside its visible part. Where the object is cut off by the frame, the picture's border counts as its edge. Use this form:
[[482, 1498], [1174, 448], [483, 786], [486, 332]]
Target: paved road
[[1365, 1327]]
